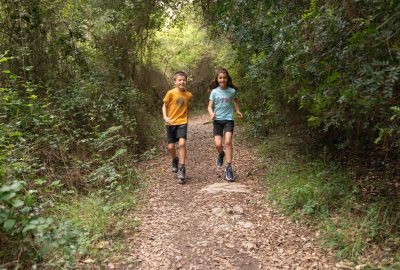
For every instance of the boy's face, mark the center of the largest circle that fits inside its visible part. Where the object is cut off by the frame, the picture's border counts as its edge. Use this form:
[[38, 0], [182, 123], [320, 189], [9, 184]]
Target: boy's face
[[180, 82]]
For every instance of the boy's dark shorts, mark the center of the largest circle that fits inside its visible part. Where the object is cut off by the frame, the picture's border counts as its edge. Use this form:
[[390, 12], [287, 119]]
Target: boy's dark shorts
[[175, 132], [222, 126]]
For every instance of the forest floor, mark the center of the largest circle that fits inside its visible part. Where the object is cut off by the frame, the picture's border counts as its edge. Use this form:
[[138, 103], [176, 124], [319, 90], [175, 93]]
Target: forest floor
[[208, 223]]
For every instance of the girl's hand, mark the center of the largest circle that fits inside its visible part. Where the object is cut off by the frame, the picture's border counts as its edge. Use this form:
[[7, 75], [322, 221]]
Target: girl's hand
[[239, 114], [168, 120], [212, 115]]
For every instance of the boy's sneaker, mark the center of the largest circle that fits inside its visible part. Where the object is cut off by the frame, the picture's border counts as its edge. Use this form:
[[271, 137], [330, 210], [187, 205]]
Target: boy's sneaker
[[181, 175], [220, 159], [175, 165], [229, 174]]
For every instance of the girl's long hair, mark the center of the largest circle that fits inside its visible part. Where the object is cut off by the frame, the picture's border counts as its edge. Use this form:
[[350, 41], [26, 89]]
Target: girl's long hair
[[215, 83]]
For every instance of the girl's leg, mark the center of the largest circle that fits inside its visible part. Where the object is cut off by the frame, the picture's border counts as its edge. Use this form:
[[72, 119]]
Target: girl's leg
[[228, 146], [218, 143], [171, 150], [182, 150]]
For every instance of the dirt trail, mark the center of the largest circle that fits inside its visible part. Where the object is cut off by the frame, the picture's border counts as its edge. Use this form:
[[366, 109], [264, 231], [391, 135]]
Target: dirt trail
[[208, 223]]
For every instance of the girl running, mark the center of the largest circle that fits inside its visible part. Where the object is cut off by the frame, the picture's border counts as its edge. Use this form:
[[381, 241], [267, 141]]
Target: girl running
[[221, 104]]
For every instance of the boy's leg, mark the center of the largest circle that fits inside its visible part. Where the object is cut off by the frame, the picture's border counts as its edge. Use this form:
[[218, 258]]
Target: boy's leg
[[171, 135], [171, 150], [182, 150], [182, 159], [182, 135], [175, 160]]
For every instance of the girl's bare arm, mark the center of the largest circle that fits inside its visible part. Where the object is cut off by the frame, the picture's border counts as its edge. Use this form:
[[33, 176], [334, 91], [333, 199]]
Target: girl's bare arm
[[237, 108], [210, 109]]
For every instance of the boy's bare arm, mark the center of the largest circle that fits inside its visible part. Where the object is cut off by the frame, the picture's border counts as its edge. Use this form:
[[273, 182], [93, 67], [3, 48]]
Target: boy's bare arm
[[237, 108], [210, 109], [164, 112]]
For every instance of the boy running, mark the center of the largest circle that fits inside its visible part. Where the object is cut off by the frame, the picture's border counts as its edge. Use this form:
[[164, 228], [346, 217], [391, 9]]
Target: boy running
[[175, 114]]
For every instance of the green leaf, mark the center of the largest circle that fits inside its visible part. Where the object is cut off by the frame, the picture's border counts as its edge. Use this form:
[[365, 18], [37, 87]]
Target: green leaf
[[16, 134], [15, 186], [9, 224], [40, 181], [29, 200], [44, 250], [7, 195], [56, 184], [3, 214], [29, 227], [17, 203], [119, 153]]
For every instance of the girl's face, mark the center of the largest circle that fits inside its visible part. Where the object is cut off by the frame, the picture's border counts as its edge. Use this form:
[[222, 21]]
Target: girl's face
[[222, 80]]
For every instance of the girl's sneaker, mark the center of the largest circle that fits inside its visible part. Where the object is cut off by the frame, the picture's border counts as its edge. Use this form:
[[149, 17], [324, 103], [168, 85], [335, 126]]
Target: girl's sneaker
[[220, 159], [181, 175], [174, 167], [229, 176]]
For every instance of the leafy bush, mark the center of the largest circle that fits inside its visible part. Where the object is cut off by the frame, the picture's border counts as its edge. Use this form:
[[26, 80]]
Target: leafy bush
[[310, 189], [25, 230], [333, 65], [74, 116]]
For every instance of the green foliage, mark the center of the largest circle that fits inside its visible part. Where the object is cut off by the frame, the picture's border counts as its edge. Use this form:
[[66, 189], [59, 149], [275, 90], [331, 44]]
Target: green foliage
[[74, 117], [312, 189], [24, 229], [334, 66], [99, 217], [184, 45], [351, 235]]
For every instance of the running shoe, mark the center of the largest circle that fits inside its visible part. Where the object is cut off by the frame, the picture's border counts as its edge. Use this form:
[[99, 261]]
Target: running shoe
[[229, 174], [220, 159], [181, 175], [175, 165]]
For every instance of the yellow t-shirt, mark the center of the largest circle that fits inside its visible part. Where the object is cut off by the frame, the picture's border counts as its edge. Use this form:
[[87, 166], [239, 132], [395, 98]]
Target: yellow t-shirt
[[177, 105]]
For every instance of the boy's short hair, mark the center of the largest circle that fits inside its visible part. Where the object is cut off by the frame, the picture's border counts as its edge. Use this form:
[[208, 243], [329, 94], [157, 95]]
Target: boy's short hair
[[179, 73]]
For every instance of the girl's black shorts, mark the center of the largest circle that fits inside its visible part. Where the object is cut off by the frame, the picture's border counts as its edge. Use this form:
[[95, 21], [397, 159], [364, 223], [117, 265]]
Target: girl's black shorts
[[175, 132], [222, 126]]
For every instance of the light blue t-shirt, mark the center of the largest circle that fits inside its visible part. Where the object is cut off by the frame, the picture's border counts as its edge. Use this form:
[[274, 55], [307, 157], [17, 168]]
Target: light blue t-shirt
[[223, 103]]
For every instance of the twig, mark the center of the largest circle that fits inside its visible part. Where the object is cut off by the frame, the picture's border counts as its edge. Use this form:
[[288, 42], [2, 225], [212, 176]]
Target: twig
[[8, 264]]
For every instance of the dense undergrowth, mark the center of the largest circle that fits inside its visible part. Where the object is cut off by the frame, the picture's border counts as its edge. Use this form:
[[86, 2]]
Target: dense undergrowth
[[332, 65], [66, 184], [311, 188], [332, 70], [74, 121]]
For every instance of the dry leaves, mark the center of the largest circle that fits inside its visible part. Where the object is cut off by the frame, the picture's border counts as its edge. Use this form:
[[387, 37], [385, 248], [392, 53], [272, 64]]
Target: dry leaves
[[210, 224]]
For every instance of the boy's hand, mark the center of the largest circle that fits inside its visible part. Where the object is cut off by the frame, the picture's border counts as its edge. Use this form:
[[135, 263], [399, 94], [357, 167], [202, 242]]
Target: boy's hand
[[168, 120], [239, 114], [212, 115]]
